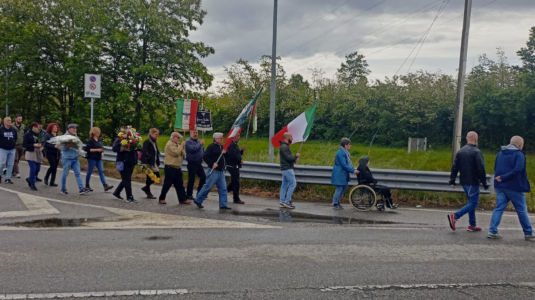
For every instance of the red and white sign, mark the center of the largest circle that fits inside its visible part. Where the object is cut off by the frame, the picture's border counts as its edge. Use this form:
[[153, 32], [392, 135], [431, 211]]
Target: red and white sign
[[92, 86]]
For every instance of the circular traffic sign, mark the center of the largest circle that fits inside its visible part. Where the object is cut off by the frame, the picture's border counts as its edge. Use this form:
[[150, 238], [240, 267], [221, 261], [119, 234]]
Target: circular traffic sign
[[92, 78], [92, 86]]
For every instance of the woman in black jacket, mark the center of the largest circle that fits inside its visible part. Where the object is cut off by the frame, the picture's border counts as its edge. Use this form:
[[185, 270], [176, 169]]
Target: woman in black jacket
[[95, 152], [126, 161], [365, 177], [34, 154], [52, 153]]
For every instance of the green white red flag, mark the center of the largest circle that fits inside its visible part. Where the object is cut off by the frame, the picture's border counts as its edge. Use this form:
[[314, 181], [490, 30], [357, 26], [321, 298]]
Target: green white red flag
[[186, 114], [300, 127]]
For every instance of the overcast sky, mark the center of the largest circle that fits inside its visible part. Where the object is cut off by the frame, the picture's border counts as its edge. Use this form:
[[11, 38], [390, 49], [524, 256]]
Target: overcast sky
[[319, 33]]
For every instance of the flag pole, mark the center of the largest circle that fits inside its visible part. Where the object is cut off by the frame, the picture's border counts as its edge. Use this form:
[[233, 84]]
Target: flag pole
[[247, 133]]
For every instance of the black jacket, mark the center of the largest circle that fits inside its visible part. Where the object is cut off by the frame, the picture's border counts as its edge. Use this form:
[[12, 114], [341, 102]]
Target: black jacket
[[287, 160], [212, 153], [50, 148], [92, 144], [233, 157], [128, 157], [365, 176], [30, 138], [149, 155], [8, 138], [470, 163]]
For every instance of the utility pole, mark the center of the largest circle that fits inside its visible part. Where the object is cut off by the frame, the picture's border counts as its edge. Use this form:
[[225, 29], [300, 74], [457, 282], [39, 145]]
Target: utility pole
[[7, 73], [273, 84], [458, 122]]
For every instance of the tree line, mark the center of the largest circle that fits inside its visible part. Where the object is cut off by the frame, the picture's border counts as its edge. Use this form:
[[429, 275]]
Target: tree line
[[147, 61]]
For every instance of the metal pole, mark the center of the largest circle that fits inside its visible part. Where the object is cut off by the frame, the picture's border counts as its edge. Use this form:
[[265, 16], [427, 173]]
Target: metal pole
[[273, 84], [458, 123], [7, 73], [92, 112]]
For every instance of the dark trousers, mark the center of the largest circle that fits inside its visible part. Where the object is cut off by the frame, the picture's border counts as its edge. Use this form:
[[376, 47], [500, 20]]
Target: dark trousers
[[234, 184], [174, 177], [195, 170], [149, 182], [126, 181], [18, 155], [385, 191], [53, 160]]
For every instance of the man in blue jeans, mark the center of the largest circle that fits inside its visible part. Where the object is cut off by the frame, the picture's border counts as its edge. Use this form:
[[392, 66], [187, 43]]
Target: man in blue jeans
[[214, 158], [470, 164], [69, 160], [511, 182], [287, 161]]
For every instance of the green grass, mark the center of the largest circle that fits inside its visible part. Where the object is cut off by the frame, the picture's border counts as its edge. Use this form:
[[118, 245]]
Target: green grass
[[322, 154]]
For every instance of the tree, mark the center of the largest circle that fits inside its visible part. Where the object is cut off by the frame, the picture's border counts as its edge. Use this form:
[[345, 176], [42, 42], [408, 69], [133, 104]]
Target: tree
[[354, 70]]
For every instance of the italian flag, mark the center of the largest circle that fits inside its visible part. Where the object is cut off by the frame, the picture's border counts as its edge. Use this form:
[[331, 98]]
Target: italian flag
[[186, 114], [236, 127], [300, 127]]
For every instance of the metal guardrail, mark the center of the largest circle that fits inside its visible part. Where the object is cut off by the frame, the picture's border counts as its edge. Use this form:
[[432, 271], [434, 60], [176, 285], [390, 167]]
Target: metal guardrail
[[321, 175]]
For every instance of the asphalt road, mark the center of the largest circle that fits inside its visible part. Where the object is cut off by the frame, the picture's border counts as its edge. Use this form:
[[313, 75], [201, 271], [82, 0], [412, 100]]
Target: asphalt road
[[148, 251]]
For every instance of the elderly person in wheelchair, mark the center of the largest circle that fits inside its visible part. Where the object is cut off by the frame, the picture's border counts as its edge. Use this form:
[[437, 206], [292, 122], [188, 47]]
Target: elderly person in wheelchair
[[365, 177]]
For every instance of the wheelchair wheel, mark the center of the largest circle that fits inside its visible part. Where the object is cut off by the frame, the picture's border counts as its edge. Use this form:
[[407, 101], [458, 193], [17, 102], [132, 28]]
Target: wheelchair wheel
[[362, 197]]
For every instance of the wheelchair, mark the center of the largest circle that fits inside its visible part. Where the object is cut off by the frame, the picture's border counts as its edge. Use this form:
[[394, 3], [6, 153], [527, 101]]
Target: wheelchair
[[364, 197]]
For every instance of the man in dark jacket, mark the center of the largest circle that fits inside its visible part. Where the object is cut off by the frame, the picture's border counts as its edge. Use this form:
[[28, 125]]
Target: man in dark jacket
[[194, 154], [287, 161], [215, 160], [150, 158], [8, 141], [511, 182], [21, 130], [234, 162], [470, 163]]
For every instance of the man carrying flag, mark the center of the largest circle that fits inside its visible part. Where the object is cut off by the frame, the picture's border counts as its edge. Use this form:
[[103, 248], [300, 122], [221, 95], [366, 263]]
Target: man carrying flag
[[297, 131]]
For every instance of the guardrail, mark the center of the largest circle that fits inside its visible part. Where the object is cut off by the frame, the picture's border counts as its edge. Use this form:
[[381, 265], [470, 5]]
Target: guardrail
[[321, 175]]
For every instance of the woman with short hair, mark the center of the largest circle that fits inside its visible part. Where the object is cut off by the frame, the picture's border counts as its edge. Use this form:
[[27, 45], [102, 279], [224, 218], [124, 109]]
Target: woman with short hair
[[343, 167], [52, 154]]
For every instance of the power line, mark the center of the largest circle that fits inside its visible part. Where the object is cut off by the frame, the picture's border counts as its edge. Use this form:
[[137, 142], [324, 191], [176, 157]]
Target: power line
[[330, 30], [302, 28], [345, 46]]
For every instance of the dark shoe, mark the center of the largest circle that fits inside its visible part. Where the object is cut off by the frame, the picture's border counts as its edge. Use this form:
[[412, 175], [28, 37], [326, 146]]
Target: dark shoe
[[288, 205], [83, 191], [0, 179], [37, 179], [493, 236], [146, 191], [53, 184], [191, 198], [337, 206], [7, 181], [88, 188], [28, 181], [162, 202], [199, 205], [131, 200], [151, 196], [185, 202], [108, 187], [64, 191], [33, 188], [238, 202], [118, 196], [225, 208], [451, 219], [529, 237], [46, 181]]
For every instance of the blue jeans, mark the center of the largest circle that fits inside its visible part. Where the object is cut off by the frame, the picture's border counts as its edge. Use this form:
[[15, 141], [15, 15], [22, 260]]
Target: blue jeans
[[288, 183], [340, 189], [472, 192], [503, 196], [216, 178], [69, 164], [7, 159], [34, 169], [91, 164]]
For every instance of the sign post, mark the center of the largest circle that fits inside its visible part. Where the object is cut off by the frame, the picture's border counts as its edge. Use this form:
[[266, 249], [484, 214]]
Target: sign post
[[92, 85]]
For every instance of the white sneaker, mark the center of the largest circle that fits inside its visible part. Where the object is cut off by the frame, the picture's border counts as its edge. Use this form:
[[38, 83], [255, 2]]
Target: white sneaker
[[18, 175]]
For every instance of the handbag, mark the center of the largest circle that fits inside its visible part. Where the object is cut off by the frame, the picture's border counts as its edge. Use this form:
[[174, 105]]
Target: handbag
[[120, 166]]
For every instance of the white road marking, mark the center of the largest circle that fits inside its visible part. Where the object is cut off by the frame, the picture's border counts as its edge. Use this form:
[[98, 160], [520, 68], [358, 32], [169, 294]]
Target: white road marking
[[425, 286], [93, 294], [125, 219], [36, 206]]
